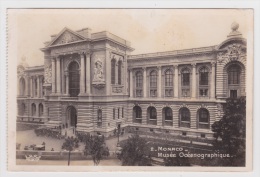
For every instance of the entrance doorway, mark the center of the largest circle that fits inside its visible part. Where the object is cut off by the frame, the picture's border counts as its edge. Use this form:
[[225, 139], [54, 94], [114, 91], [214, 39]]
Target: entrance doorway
[[71, 117]]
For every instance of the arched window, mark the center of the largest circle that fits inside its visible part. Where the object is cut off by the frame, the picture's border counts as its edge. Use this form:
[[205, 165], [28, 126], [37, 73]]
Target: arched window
[[167, 116], [153, 83], [119, 72], [22, 109], [40, 110], [184, 114], [203, 81], [152, 116], [74, 79], [185, 82], [203, 118], [139, 83], [168, 83], [113, 71], [33, 111], [22, 87], [137, 114], [234, 80], [99, 118]]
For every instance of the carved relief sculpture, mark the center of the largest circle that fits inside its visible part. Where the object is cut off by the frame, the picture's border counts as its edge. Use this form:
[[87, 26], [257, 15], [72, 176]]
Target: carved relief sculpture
[[98, 79], [47, 74]]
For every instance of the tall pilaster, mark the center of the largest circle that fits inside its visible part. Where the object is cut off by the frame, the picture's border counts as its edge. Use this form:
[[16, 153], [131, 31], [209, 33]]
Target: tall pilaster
[[82, 74], [193, 80], [144, 83], [53, 84], [58, 74], [213, 83], [159, 81], [131, 83], [176, 81], [88, 82]]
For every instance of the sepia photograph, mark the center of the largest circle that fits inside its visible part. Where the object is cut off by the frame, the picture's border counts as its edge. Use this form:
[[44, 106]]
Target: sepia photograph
[[130, 89]]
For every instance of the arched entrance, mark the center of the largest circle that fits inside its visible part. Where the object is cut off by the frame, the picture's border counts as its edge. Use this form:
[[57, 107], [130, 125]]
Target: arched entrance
[[71, 117]]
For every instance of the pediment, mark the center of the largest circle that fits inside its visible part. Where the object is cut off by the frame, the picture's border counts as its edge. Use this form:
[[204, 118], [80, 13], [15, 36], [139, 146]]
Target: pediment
[[65, 37]]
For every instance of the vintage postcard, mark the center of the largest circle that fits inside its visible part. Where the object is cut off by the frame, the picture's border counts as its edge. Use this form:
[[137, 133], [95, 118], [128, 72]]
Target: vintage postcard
[[130, 89]]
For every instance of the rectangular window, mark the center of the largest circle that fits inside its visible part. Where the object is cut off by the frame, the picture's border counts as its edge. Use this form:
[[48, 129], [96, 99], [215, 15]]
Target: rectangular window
[[122, 112], [118, 111], [114, 113], [233, 93]]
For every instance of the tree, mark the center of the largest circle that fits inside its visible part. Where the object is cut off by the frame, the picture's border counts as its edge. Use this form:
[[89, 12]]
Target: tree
[[70, 144], [96, 147], [134, 152], [229, 132]]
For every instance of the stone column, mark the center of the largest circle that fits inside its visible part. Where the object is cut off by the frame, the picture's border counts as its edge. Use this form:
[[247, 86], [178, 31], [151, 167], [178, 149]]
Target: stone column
[[58, 74], [213, 84], [38, 86], [53, 75], [193, 92], [131, 83], [159, 81], [88, 82], [176, 81], [144, 83], [82, 74], [67, 82], [31, 89]]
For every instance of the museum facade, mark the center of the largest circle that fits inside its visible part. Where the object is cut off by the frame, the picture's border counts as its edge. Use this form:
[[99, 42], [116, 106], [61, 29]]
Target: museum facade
[[92, 82]]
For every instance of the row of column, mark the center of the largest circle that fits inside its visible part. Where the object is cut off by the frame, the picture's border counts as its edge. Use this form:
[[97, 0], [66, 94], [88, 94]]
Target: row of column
[[175, 81], [84, 76], [32, 86]]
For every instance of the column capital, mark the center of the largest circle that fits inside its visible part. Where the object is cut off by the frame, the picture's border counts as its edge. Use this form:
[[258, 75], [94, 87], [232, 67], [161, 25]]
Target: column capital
[[159, 67], [193, 65], [144, 68], [213, 63], [130, 69], [175, 66]]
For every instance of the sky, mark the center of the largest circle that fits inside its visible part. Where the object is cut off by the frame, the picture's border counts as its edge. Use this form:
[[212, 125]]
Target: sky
[[148, 30]]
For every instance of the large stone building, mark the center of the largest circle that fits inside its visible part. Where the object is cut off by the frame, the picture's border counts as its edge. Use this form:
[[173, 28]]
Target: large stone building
[[91, 82]]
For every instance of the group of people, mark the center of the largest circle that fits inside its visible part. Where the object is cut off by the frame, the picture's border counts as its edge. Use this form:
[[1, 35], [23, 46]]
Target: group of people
[[47, 132]]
